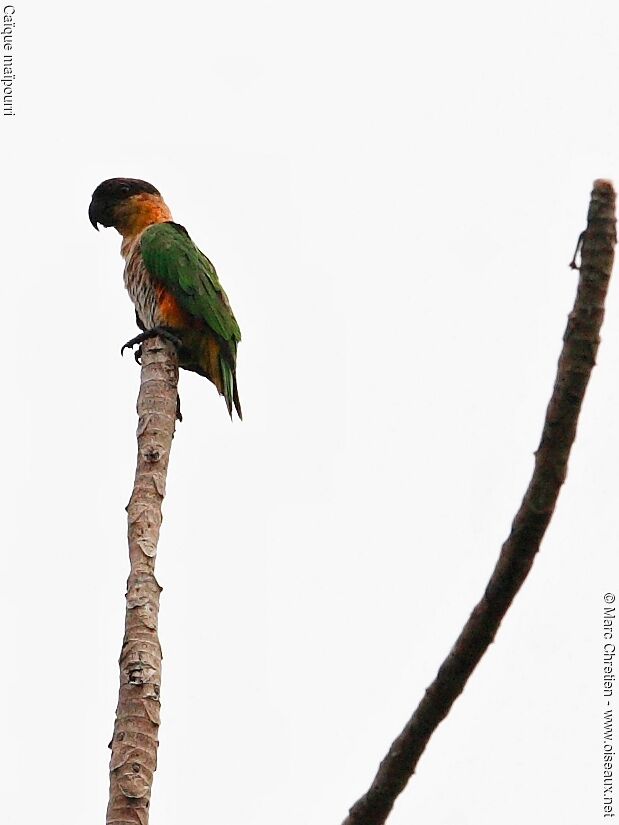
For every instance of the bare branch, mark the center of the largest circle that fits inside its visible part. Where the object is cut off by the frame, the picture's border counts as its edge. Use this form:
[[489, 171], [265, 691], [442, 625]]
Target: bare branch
[[581, 342], [134, 744]]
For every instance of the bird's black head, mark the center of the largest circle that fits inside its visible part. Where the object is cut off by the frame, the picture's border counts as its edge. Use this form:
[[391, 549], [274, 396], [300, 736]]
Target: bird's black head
[[113, 193]]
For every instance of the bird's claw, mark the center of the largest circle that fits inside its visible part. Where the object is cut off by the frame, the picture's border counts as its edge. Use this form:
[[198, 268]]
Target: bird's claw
[[163, 332], [130, 345]]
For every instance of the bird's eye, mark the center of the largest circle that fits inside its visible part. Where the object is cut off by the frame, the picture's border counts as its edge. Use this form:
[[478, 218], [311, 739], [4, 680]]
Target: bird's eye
[[125, 188]]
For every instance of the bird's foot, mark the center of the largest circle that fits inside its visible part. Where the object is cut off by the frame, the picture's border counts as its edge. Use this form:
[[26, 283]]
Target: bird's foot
[[179, 417], [163, 332]]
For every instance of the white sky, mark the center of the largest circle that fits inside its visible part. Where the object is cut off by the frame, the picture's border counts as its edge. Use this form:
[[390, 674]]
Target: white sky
[[391, 193]]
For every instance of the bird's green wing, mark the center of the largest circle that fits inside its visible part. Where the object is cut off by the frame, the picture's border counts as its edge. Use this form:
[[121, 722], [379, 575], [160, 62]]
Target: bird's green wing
[[172, 258]]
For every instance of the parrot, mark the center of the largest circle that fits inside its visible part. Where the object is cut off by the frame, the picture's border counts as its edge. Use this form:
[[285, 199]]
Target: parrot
[[173, 285]]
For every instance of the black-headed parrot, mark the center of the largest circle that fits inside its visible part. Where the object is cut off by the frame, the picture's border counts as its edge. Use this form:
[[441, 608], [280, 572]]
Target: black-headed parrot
[[174, 286]]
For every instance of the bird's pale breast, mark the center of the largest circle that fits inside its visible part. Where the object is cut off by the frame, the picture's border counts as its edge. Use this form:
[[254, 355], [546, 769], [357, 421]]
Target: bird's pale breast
[[140, 287]]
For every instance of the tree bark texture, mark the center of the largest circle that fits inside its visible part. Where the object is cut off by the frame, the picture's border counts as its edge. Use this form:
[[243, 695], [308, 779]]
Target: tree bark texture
[[134, 743], [577, 359]]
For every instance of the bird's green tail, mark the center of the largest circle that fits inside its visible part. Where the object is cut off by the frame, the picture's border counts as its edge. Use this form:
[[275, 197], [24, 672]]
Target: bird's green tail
[[231, 391]]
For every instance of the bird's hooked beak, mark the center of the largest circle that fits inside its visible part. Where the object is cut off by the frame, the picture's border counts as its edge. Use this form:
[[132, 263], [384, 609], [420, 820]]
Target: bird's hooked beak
[[100, 213], [93, 213]]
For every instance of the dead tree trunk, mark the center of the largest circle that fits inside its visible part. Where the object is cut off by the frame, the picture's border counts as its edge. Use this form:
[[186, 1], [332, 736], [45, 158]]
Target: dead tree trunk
[[577, 359], [134, 743]]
